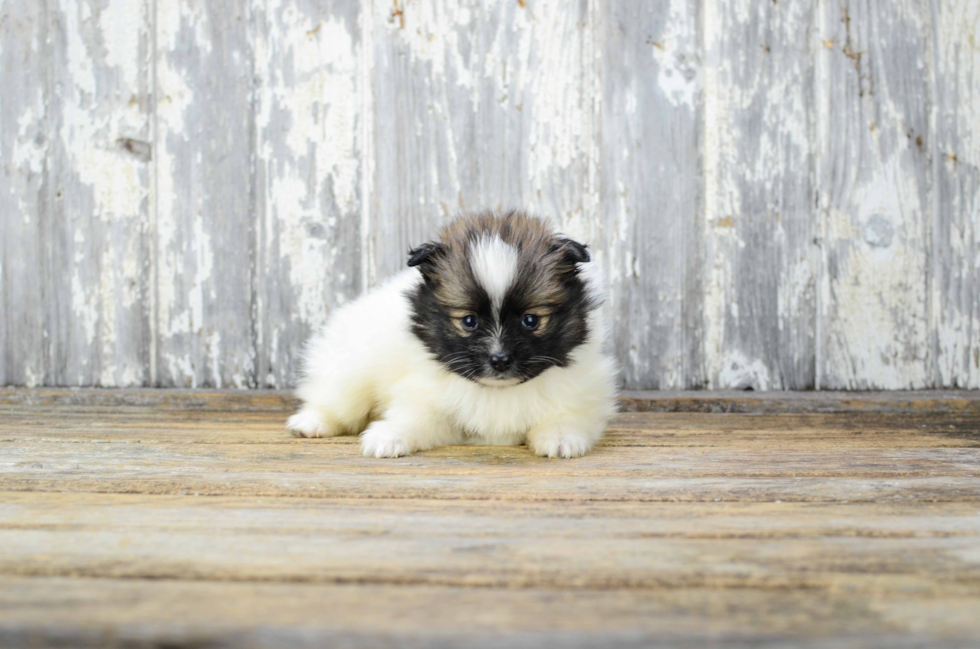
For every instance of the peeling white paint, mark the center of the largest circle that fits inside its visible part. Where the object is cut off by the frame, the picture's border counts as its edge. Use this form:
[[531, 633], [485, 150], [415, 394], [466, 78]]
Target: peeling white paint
[[122, 25], [757, 199], [213, 346], [676, 52], [185, 253], [84, 306], [315, 115], [561, 132], [181, 370], [32, 379], [310, 133], [107, 317], [539, 67], [719, 200], [432, 33], [173, 15], [104, 185], [875, 315], [880, 302], [738, 372], [80, 68], [955, 305], [27, 155], [368, 261], [23, 144], [204, 253]]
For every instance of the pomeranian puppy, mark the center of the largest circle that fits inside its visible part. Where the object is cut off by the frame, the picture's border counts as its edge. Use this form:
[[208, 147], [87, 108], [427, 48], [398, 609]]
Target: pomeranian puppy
[[491, 337]]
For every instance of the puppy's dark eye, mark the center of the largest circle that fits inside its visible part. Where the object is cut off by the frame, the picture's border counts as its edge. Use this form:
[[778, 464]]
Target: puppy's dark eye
[[530, 321], [470, 322]]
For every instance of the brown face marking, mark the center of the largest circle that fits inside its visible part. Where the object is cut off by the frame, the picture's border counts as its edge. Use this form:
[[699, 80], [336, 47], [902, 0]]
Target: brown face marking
[[545, 283], [457, 316], [543, 314], [542, 258]]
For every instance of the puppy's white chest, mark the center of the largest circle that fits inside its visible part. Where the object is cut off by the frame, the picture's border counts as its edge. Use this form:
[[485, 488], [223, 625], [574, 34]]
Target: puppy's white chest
[[494, 415]]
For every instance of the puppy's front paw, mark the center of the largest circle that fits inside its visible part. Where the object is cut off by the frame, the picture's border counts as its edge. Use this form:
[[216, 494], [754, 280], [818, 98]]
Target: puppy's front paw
[[308, 423], [559, 442], [382, 440]]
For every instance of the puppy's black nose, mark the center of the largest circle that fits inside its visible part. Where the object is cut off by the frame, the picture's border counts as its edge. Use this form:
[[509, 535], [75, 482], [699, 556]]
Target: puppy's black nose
[[500, 362]]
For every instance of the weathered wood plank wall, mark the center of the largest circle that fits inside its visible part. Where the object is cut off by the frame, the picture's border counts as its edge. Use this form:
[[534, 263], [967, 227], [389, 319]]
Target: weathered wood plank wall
[[783, 195]]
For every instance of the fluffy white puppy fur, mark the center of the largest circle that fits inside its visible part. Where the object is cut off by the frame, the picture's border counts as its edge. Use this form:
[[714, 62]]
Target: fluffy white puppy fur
[[402, 367]]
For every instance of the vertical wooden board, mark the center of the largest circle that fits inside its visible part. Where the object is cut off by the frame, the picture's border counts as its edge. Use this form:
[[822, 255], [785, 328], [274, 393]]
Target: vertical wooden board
[[203, 195], [308, 173], [23, 150], [761, 266], [94, 236], [956, 188], [873, 177], [651, 188], [475, 106]]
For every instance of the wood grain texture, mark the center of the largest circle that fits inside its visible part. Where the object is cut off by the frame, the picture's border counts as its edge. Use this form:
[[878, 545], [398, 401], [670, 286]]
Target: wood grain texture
[[652, 189], [874, 195], [478, 106], [955, 291], [782, 194], [761, 265], [645, 457], [309, 154], [456, 543], [119, 516], [99, 612], [95, 274], [24, 142], [204, 196]]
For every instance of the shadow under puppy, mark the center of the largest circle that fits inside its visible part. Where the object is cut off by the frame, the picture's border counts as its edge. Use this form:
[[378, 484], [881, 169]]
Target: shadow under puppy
[[493, 337]]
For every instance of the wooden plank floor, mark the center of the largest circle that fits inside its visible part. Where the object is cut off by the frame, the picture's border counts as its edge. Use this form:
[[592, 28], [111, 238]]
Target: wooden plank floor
[[141, 518]]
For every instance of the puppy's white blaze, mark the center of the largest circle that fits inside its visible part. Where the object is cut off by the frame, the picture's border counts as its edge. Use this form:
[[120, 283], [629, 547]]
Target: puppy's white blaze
[[496, 342], [494, 265]]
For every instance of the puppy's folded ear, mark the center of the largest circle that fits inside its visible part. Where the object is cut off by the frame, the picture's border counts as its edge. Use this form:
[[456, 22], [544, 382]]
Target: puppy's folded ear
[[572, 251], [426, 256]]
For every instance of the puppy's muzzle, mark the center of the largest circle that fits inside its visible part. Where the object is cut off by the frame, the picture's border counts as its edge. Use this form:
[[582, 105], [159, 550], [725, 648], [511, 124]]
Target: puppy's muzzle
[[500, 361]]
